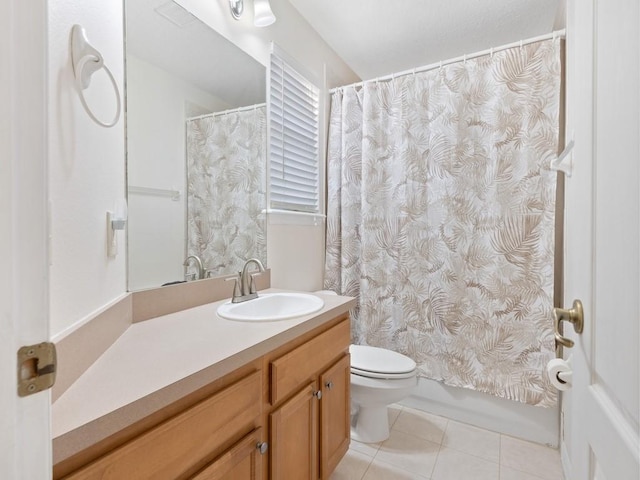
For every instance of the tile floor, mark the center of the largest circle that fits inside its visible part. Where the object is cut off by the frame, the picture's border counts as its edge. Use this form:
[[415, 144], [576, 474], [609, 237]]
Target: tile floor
[[424, 446]]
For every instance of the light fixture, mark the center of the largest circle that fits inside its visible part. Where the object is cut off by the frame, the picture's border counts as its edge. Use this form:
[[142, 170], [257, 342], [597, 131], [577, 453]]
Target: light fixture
[[237, 7], [262, 14]]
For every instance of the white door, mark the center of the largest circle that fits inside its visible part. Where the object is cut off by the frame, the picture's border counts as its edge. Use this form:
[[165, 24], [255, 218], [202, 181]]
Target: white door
[[601, 413], [25, 445]]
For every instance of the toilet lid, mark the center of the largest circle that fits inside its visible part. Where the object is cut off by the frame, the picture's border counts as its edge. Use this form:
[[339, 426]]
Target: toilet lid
[[379, 362]]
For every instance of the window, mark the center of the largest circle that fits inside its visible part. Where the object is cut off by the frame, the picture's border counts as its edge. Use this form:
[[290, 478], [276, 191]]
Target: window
[[293, 139]]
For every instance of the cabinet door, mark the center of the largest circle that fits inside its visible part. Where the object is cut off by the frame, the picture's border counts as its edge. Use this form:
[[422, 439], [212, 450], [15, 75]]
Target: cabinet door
[[294, 437], [243, 461], [335, 409]]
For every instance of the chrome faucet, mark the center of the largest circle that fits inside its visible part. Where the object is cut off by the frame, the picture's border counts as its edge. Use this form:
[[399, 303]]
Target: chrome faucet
[[198, 263], [245, 287]]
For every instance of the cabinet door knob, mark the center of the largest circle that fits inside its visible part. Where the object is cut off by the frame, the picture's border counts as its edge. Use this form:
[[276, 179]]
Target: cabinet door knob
[[262, 447], [317, 394], [329, 384]]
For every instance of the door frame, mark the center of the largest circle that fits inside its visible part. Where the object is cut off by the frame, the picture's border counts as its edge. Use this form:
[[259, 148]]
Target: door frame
[[25, 437]]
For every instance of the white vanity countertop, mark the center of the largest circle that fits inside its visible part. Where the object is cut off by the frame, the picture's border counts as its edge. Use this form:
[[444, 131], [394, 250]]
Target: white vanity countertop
[[159, 353]]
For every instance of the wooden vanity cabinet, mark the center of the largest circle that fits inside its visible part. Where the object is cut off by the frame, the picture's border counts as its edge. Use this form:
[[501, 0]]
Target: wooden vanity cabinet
[[309, 426], [296, 397]]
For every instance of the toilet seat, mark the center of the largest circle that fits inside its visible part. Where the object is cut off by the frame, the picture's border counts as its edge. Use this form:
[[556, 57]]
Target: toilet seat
[[384, 376], [374, 362]]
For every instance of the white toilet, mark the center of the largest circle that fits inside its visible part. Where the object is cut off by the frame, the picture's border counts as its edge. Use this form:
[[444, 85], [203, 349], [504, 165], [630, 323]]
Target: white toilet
[[379, 377]]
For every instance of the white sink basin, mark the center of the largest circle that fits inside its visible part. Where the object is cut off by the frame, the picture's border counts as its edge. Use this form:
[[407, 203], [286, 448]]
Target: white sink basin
[[271, 306]]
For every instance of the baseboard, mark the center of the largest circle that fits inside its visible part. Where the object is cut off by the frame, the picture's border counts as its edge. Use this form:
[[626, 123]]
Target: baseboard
[[536, 424]]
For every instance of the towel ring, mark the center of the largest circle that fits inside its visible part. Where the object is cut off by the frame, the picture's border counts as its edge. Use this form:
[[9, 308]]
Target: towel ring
[[86, 61], [79, 83]]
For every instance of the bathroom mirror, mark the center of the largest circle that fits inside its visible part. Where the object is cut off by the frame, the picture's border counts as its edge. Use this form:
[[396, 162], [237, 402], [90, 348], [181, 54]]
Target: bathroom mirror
[[196, 147]]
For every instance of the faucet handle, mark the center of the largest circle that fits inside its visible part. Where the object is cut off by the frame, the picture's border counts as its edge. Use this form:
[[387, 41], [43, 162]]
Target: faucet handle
[[236, 287], [252, 282]]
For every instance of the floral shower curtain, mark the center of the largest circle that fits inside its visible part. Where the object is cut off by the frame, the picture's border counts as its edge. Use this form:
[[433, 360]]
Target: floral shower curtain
[[440, 217], [226, 183]]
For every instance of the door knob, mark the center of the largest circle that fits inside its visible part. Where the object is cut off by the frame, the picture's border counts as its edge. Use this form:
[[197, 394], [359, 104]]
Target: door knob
[[575, 315]]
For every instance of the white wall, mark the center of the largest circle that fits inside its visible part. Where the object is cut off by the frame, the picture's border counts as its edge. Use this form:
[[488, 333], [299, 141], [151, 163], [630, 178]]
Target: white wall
[[86, 166], [158, 104], [295, 251]]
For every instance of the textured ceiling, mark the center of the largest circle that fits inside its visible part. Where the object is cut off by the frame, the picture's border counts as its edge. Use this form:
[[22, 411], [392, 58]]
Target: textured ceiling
[[380, 37]]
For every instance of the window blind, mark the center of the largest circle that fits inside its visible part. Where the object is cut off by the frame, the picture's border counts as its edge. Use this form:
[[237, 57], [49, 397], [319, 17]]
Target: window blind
[[293, 139]]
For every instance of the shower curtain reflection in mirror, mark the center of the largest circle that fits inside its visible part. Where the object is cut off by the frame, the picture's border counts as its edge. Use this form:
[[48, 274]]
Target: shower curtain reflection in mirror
[[226, 188]]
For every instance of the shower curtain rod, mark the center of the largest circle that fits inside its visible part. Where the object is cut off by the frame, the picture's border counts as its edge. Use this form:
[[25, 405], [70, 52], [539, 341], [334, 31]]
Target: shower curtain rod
[[432, 66], [226, 112]]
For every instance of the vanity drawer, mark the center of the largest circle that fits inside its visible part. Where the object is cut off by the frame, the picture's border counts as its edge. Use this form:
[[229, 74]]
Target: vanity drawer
[[186, 442], [295, 368]]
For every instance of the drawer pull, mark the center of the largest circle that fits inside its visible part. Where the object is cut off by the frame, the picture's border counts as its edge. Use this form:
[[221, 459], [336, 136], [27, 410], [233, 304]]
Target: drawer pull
[[329, 385], [262, 447], [317, 394]]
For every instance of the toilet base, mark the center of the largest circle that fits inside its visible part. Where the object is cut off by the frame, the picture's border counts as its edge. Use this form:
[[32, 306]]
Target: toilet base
[[371, 425]]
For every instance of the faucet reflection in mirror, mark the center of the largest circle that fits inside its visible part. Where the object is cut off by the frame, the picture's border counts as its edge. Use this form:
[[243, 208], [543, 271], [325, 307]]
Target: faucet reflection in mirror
[[201, 269], [226, 162]]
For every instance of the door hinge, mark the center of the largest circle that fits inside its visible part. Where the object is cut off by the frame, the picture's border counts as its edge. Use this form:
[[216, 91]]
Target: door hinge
[[36, 368]]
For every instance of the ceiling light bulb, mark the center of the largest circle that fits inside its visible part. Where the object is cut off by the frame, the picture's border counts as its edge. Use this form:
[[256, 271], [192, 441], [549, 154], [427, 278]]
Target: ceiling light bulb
[[262, 14]]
